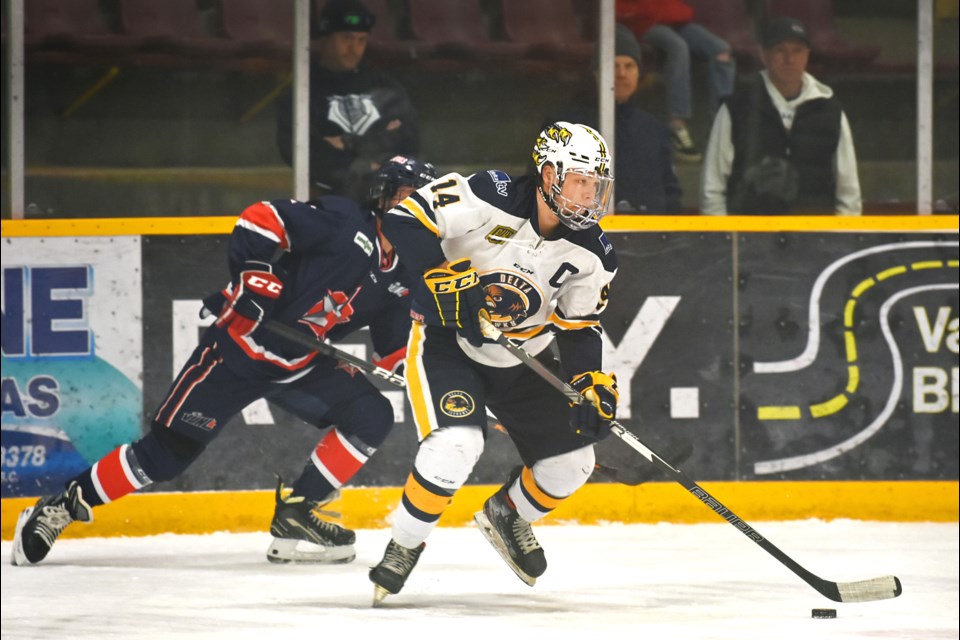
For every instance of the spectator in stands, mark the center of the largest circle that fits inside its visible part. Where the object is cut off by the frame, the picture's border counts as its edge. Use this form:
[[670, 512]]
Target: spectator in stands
[[784, 144], [646, 181], [668, 26], [357, 115]]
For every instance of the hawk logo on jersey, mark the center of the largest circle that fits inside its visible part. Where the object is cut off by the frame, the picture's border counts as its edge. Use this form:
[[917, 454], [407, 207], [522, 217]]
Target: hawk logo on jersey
[[510, 298], [457, 404], [500, 233]]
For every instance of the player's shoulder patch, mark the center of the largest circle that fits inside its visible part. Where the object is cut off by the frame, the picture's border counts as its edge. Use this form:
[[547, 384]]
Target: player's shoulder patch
[[497, 188], [596, 241], [500, 180]]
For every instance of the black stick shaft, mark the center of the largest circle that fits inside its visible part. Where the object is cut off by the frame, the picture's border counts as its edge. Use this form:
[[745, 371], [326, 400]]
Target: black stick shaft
[[304, 340], [860, 591]]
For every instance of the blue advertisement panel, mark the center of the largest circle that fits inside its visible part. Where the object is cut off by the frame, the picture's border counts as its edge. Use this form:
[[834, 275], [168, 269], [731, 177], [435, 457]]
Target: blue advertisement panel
[[72, 364]]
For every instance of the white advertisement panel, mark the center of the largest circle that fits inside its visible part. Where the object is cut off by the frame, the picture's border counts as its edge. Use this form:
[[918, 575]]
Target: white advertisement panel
[[72, 356]]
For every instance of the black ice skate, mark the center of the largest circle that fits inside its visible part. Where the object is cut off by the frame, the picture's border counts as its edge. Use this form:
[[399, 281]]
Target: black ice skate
[[389, 576], [511, 536], [39, 526], [301, 535]]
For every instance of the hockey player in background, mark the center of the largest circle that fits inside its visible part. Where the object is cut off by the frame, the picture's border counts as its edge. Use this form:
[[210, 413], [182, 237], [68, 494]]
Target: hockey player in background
[[526, 255], [324, 268]]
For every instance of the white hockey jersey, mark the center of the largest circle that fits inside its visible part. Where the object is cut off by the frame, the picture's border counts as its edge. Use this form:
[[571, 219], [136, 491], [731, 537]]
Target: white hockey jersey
[[536, 287]]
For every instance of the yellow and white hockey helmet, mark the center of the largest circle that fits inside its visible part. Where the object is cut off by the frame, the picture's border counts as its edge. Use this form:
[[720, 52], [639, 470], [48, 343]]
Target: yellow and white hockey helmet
[[582, 192]]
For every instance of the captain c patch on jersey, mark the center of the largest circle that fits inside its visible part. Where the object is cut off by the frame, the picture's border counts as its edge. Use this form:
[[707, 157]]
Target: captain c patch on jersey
[[511, 298]]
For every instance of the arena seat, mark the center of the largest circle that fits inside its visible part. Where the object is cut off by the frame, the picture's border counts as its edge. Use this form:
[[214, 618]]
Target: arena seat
[[457, 30], [731, 20], [259, 28], [827, 46], [386, 44], [547, 28], [170, 26], [70, 26]]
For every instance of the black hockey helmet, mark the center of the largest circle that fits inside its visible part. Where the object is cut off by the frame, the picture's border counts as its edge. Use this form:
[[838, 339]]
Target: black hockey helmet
[[395, 172]]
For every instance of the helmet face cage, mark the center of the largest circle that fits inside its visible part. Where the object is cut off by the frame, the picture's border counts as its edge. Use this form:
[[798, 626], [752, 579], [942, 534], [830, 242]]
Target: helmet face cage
[[398, 171], [579, 150]]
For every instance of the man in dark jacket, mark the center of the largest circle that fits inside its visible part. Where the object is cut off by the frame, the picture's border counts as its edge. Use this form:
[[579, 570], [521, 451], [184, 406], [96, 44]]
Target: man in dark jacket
[[357, 115]]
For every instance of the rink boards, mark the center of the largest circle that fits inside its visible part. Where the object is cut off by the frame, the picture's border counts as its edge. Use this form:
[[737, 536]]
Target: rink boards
[[370, 507], [817, 351]]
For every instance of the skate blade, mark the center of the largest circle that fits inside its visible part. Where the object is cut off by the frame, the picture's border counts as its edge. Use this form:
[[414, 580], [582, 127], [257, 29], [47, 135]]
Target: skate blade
[[496, 542], [379, 593], [17, 557], [286, 551]]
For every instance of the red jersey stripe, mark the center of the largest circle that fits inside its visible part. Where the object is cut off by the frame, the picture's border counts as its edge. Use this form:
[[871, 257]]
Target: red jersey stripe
[[262, 218]]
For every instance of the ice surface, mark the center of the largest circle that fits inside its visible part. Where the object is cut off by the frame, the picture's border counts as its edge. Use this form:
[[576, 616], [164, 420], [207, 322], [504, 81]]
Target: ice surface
[[643, 582]]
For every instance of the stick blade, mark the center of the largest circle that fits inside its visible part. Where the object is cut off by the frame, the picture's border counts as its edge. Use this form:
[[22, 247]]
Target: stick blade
[[869, 590]]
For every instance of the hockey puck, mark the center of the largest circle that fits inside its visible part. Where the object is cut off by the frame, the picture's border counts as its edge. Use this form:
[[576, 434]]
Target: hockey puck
[[824, 613]]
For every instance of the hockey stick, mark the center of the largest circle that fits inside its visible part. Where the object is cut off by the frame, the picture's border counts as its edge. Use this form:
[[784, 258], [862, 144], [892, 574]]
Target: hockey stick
[[880, 588], [291, 334], [676, 451], [630, 476]]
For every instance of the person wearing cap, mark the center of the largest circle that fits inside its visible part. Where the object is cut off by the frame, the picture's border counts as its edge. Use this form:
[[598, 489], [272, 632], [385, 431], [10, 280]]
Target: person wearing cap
[[784, 144], [646, 180], [357, 115], [670, 27]]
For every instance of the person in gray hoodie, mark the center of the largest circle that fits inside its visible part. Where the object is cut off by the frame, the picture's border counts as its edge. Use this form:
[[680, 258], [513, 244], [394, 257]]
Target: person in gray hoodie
[[783, 145]]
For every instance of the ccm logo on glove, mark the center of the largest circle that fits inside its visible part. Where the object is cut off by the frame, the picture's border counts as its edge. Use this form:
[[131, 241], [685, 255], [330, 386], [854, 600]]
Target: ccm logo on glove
[[251, 301], [265, 285], [459, 298]]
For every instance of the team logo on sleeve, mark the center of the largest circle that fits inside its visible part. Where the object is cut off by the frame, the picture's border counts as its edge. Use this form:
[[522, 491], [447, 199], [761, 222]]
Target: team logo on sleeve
[[457, 404], [500, 181], [510, 297]]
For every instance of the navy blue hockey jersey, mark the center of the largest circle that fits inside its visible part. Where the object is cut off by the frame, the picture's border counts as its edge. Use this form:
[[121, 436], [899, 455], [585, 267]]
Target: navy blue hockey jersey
[[336, 277]]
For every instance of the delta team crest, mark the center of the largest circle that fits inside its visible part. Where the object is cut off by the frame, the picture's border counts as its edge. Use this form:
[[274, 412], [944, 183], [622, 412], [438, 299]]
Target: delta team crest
[[511, 298]]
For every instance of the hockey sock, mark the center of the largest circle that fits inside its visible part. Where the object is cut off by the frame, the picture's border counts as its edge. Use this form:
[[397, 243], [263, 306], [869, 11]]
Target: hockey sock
[[540, 489], [115, 475], [531, 502], [335, 460], [444, 462]]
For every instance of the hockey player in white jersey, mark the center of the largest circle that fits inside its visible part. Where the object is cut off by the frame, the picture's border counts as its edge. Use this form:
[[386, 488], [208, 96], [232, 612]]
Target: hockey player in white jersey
[[527, 255]]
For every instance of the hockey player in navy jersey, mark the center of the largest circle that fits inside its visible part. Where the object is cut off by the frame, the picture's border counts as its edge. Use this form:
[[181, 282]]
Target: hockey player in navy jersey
[[324, 268], [527, 255]]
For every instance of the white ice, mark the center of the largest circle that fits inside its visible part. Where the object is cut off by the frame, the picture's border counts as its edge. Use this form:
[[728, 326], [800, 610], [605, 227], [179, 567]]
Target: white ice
[[643, 582]]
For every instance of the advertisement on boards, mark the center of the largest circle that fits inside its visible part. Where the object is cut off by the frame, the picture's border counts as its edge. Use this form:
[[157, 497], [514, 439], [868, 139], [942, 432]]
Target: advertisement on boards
[[776, 356], [72, 356]]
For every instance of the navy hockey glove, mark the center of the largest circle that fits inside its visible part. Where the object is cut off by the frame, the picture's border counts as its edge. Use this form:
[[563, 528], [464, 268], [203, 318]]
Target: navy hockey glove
[[460, 298], [591, 418], [251, 300]]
